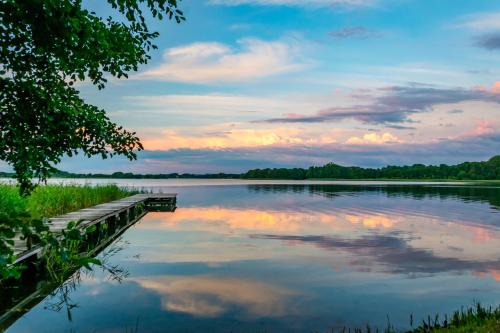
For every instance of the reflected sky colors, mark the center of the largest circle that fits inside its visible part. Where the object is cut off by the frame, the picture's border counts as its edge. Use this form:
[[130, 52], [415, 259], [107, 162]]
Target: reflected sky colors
[[211, 296], [295, 259]]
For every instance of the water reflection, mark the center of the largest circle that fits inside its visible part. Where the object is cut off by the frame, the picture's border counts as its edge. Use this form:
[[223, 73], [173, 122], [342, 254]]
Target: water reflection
[[391, 244], [392, 251], [487, 194], [211, 296], [288, 258]]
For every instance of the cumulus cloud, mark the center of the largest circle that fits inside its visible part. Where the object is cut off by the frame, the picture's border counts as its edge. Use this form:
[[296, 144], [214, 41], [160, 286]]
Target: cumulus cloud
[[373, 138], [484, 127], [301, 3], [496, 88], [353, 32], [394, 105], [216, 62]]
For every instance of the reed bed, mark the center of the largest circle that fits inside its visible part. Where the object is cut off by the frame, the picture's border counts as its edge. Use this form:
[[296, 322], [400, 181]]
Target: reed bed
[[53, 200]]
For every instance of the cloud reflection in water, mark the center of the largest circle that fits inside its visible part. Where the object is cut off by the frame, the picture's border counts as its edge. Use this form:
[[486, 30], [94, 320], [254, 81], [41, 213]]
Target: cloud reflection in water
[[211, 296]]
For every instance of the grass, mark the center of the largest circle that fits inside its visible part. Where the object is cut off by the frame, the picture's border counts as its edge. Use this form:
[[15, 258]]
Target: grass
[[53, 200], [475, 319], [489, 326]]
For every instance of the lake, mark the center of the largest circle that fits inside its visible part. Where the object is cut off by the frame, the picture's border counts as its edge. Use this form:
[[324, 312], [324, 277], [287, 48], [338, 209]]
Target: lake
[[287, 257]]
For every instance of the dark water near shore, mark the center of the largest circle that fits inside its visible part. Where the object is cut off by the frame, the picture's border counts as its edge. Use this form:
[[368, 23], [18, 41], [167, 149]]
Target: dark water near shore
[[289, 258]]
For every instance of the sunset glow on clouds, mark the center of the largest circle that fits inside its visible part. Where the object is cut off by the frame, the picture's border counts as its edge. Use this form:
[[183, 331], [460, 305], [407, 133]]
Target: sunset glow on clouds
[[373, 138], [235, 138], [496, 87], [245, 84]]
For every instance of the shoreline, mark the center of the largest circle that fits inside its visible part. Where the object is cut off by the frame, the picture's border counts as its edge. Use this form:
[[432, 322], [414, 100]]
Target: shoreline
[[146, 182]]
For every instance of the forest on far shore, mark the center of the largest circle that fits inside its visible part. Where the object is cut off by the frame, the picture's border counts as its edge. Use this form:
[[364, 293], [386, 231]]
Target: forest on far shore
[[486, 170]]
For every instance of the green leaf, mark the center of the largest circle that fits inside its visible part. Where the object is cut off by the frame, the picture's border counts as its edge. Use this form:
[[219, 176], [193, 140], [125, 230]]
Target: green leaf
[[91, 229]]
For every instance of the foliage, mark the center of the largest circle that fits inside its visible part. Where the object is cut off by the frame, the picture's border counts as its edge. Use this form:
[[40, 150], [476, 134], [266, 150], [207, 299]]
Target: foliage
[[465, 171], [46, 46], [65, 252], [12, 214], [27, 216]]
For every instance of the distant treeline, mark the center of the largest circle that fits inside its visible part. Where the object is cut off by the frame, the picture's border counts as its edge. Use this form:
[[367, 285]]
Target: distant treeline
[[129, 175], [487, 170], [465, 171]]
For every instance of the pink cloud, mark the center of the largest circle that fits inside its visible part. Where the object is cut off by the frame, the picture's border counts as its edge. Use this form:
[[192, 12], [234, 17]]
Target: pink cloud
[[484, 127], [496, 87]]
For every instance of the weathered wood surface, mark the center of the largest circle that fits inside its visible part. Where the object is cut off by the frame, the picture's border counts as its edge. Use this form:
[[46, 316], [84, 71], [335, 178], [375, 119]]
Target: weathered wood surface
[[93, 215]]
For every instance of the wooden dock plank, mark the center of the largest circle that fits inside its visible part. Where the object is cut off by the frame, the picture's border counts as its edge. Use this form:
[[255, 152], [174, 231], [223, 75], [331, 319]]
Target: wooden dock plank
[[90, 216]]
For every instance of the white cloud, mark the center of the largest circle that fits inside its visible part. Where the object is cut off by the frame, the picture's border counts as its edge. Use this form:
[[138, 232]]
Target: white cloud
[[217, 62], [301, 3], [481, 21]]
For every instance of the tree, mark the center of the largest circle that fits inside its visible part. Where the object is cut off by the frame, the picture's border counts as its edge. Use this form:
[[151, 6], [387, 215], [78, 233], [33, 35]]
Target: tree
[[46, 46]]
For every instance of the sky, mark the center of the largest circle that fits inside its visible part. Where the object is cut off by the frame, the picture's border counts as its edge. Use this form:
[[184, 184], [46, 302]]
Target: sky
[[247, 84]]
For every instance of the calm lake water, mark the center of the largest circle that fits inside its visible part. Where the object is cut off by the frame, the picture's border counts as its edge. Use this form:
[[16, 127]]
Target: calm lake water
[[287, 258]]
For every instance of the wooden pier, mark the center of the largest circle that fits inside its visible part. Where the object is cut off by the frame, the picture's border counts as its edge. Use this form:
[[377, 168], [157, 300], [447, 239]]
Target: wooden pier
[[115, 215], [111, 220]]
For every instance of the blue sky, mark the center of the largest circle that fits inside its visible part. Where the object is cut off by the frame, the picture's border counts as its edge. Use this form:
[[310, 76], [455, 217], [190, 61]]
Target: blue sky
[[244, 84]]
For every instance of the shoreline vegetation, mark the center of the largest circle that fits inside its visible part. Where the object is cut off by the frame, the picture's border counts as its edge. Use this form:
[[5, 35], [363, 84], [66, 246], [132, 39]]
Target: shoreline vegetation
[[52, 200], [488, 171], [474, 319], [26, 215]]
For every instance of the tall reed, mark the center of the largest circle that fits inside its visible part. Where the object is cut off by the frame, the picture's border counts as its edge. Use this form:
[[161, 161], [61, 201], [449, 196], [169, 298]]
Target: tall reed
[[53, 200]]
